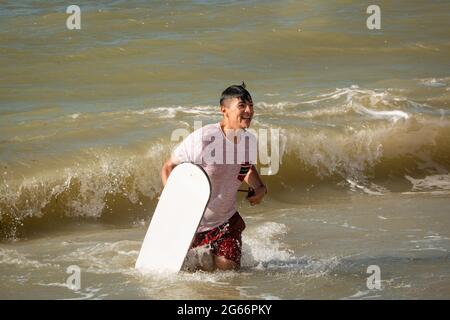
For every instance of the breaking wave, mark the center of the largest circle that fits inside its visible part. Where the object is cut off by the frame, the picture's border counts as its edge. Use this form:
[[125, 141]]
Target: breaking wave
[[351, 139]]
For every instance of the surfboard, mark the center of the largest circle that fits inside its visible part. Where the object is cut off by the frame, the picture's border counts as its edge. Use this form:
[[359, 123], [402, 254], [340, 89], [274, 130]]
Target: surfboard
[[177, 216]]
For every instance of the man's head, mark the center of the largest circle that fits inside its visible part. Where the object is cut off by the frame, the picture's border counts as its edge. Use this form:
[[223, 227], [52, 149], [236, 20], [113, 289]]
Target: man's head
[[237, 107]]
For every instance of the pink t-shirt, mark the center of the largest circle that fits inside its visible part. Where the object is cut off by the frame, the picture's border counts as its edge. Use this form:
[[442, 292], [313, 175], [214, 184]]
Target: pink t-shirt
[[226, 164]]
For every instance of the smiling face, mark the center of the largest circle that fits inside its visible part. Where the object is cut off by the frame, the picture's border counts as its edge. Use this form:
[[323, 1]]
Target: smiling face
[[237, 114]]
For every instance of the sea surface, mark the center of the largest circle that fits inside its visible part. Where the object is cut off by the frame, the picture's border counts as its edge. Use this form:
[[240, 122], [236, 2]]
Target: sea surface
[[354, 126]]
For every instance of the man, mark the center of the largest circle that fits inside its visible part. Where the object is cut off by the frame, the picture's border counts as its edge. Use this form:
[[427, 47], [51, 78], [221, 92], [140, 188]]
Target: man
[[214, 147]]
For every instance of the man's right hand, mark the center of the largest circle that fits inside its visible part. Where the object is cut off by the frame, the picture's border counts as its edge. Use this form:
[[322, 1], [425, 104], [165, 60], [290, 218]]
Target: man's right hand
[[166, 169]]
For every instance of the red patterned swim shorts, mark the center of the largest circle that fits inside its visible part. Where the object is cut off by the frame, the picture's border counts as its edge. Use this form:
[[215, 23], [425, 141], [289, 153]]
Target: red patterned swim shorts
[[225, 240]]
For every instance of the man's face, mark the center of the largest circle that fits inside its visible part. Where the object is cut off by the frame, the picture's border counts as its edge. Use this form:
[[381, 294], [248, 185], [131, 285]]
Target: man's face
[[237, 113]]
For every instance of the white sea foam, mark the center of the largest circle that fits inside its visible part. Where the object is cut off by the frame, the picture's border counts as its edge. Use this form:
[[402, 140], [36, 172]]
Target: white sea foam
[[282, 105], [429, 183], [263, 249], [171, 111], [391, 115], [363, 295], [434, 82], [377, 192], [19, 260], [362, 101], [74, 116], [104, 257], [88, 293], [261, 245]]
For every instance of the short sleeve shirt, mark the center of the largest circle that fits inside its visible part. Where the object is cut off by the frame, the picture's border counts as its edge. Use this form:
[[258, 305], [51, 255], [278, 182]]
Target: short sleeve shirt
[[226, 163]]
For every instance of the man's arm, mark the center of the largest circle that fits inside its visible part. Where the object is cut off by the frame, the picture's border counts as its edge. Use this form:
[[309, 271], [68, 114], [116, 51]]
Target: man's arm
[[254, 180], [166, 169]]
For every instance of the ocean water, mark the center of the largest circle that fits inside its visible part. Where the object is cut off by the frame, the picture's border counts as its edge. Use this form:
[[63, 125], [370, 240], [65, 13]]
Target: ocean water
[[358, 125]]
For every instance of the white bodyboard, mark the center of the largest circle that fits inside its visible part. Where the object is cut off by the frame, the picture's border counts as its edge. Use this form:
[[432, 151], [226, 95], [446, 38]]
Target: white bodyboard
[[176, 218]]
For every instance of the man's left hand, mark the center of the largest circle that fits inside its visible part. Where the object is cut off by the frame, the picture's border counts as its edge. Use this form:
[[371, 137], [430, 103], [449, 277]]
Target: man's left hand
[[258, 195]]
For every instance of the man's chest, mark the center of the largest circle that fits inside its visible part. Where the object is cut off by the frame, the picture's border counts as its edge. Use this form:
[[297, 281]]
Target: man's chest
[[227, 173]]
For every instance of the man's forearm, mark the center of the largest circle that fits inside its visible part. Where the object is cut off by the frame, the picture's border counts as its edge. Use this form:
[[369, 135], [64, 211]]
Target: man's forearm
[[253, 179]]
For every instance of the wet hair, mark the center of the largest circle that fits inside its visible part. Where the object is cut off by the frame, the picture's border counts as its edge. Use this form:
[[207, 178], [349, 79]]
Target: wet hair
[[236, 91]]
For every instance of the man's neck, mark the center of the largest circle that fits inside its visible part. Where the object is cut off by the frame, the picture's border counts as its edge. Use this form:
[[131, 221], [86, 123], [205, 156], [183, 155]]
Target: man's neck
[[225, 129]]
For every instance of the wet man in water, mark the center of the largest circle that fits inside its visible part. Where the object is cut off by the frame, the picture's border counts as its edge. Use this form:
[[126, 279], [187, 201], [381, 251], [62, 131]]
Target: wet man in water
[[227, 153]]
